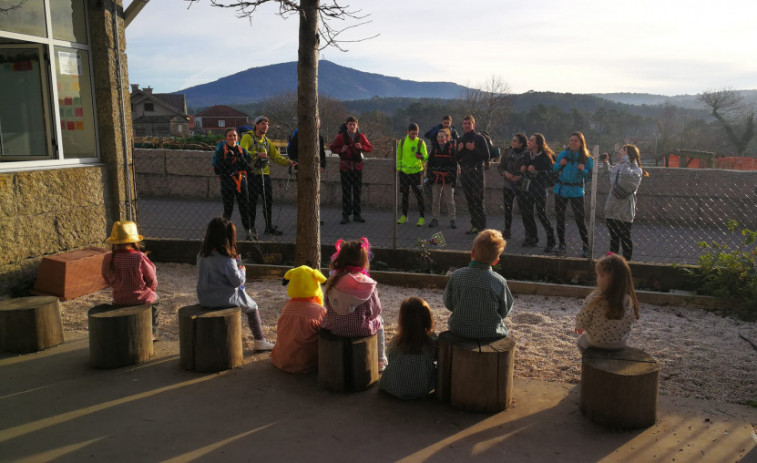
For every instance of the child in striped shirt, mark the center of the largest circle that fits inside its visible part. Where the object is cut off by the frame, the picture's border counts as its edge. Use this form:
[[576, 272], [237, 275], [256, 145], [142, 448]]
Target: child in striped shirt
[[129, 271]]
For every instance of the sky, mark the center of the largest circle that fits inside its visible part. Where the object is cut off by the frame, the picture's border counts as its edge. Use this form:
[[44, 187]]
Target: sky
[[667, 47]]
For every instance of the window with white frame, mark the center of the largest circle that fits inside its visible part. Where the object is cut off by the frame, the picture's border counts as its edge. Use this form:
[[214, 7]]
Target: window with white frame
[[47, 107], [221, 123]]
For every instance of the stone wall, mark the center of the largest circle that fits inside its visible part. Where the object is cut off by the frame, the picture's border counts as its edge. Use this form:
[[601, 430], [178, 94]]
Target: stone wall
[[697, 197], [46, 212], [58, 209]]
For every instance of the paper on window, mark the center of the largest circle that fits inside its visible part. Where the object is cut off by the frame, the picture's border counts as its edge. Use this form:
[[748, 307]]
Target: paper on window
[[69, 63]]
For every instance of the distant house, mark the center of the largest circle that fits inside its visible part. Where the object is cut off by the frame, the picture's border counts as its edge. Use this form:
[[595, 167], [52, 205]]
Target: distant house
[[158, 114], [217, 119]]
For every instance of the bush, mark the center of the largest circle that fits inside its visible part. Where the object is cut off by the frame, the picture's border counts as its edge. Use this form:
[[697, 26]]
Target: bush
[[730, 273]]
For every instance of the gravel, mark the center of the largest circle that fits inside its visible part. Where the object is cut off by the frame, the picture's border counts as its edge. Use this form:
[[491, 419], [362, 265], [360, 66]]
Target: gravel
[[702, 354]]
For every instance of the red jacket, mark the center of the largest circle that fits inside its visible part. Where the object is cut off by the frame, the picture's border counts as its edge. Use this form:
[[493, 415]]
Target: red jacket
[[351, 159]]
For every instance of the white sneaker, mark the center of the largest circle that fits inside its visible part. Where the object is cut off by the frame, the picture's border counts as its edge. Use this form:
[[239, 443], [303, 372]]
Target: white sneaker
[[382, 365], [262, 345]]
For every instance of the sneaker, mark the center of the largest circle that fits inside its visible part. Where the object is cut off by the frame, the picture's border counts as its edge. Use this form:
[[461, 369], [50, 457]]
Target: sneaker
[[452, 224], [252, 234], [402, 220], [585, 254], [273, 231], [530, 243], [560, 250], [421, 222], [345, 220], [472, 231], [550, 249], [262, 345], [382, 365], [358, 219], [433, 223]]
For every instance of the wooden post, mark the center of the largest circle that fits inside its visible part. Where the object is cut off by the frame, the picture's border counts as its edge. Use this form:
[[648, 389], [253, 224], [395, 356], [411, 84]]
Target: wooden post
[[347, 364], [210, 340], [475, 375], [619, 387], [119, 336], [30, 324]]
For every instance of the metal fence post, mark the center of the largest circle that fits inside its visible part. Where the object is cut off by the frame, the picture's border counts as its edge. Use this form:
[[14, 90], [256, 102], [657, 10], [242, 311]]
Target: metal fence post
[[593, 201], [396, 197]]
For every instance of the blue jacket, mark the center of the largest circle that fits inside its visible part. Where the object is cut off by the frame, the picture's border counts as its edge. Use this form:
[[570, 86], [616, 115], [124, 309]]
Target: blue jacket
[[570, 184]]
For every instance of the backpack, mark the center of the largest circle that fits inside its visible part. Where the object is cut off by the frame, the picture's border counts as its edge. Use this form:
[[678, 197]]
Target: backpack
[[291, 137], [494, 152]]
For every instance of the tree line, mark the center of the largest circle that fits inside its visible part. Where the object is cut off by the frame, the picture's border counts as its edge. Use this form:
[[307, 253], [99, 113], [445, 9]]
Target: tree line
[[725, 128]]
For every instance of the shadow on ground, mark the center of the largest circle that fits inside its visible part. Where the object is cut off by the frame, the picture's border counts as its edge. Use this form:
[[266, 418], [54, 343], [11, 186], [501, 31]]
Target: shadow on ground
[[55, 407]]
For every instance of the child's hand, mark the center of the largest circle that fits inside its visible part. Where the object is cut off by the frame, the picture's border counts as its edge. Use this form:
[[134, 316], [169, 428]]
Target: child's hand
[[241, 267], [579, 331]]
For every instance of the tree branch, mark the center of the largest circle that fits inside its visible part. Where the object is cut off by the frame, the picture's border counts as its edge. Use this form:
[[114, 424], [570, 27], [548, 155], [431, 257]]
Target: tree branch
[[328, 13]]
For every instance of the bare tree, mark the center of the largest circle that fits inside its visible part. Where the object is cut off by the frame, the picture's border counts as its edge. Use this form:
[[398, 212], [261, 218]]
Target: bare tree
[[5, 9], [489, 104], [281, 109], [738, 120], [317, 30]]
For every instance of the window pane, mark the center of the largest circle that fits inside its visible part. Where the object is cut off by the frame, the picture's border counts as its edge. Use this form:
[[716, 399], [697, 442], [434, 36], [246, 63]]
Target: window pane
[[23, 17], [68, 20], [77, 120], [23, 133]]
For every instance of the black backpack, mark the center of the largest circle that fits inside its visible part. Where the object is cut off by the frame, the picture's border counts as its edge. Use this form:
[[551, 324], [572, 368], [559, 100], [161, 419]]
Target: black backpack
[[494, 152]]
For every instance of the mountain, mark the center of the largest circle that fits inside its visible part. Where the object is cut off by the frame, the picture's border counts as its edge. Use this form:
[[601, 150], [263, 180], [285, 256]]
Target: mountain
[[336, 81], [682, 101]]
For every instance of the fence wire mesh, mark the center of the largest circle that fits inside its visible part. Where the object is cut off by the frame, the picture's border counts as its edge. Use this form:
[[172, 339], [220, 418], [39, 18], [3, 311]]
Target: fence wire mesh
[[674, 208]]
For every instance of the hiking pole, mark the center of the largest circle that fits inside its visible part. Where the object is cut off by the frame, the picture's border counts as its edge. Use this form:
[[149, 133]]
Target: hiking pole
[[266, 219]]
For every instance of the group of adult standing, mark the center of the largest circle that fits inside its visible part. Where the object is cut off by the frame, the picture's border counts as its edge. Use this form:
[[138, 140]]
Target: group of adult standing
[[529, 167], [530, 170], [451, 155]]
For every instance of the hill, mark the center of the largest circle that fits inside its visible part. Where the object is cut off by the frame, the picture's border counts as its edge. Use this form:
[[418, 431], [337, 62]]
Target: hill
[[256, 84], [682, 101]]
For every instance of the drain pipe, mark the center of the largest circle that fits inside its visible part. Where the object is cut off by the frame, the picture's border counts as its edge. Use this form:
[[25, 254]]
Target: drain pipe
[[124, 134]]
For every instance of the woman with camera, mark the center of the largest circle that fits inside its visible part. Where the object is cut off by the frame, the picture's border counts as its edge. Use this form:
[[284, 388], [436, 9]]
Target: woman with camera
[[620, 206]]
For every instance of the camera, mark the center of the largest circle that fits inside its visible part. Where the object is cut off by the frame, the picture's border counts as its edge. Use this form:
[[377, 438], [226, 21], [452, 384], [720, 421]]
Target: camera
[[260, 163]]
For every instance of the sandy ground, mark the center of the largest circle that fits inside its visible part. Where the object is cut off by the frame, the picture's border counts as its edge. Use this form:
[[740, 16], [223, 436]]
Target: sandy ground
[[702, 354]]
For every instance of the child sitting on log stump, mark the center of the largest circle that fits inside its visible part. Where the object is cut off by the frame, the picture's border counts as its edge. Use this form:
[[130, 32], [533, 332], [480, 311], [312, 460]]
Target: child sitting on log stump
[[411, 373], [129, 271], [609, 312], [221, 277], [296, 349], [353, 308], [477, 296]]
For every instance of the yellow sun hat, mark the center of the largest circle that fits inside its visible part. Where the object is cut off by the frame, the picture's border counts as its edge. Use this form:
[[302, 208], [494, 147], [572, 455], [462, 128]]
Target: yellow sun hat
[[124, 232]]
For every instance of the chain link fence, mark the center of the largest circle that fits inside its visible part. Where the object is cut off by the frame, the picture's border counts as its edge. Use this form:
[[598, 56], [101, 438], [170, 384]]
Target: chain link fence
[[675, 208]]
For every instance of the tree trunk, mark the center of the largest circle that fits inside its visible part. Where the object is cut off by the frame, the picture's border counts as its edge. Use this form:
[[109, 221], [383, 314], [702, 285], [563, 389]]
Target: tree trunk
[[308, 246]]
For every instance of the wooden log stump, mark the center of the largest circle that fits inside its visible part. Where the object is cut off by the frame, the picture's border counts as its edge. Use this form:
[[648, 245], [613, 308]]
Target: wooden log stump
[[119, 335], [619, 387], [347, 364], [475, 375], [30, 324], [210, 340]]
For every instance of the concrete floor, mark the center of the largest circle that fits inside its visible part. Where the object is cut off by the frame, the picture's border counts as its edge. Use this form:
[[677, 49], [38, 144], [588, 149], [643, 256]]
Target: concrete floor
[[54, 407]]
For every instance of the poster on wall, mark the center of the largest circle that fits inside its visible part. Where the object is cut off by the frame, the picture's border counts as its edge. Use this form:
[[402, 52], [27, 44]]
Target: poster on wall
[[69, 63]]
